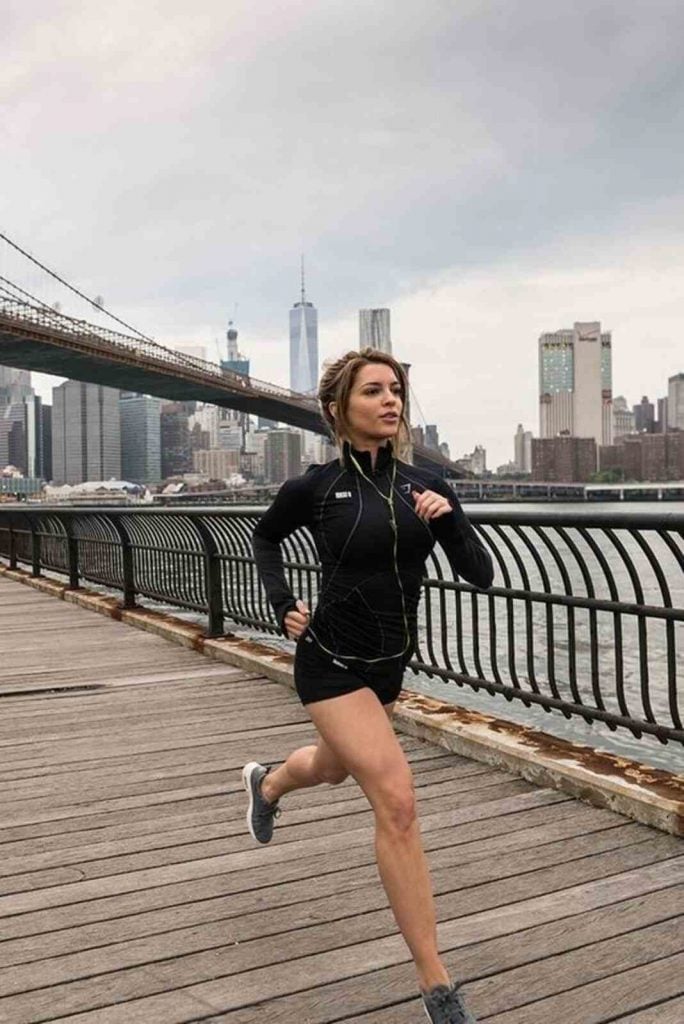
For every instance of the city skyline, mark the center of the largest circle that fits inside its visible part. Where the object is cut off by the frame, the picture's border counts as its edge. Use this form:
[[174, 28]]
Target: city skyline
[[489, 193], [498, 453]]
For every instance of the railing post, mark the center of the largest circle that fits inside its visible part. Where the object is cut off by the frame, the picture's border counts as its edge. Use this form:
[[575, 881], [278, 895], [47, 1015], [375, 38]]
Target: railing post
[[35, 547], [12, 546], [72, 555], [213, 577], [127, 562]]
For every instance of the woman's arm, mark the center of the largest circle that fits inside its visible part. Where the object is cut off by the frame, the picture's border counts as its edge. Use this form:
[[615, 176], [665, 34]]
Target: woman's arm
[[467, 554], [290, 509]]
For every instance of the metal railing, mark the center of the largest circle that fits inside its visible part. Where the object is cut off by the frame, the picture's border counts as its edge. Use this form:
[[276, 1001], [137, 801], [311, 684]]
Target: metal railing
[[586, 614]]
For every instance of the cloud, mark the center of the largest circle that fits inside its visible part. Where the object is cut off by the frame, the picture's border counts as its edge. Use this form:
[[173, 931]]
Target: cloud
[[178, 160]]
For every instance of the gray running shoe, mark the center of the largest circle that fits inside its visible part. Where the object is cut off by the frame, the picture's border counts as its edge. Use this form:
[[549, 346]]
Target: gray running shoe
[[444, 1005], [260, 813]]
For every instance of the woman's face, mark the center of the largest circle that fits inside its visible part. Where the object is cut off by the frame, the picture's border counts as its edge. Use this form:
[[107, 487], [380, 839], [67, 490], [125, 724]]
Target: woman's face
[[374, 404]]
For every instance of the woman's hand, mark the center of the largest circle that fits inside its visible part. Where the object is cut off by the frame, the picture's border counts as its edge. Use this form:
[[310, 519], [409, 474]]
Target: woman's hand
[[430, 505], [296, 621]]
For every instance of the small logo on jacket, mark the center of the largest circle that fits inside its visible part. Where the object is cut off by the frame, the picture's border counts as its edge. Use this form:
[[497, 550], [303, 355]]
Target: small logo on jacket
[[343, 494], [406, 488]]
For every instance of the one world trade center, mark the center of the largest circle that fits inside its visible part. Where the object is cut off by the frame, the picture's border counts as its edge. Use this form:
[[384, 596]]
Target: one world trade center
[[304, 345]]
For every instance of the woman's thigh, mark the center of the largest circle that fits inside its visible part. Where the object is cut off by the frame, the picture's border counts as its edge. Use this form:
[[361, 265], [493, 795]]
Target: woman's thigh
[[357, 729], [328, 764]]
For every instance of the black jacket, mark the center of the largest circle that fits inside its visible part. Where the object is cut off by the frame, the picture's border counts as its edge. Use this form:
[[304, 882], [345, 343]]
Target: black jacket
[[368, 598]]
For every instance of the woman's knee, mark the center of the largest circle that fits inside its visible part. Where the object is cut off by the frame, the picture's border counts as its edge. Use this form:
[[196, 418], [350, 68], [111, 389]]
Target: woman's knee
[[327, 767], [333, 776], [394, 802]]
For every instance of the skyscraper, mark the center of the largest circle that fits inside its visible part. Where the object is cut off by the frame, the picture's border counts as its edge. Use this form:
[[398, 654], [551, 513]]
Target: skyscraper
[[522, 444], [235, 363], [644, 416], [176, 451], [675, 402], [304, 345], [374, 329], [15, 385], [86, 433], [282, 455], [575, 383], [140, 438]]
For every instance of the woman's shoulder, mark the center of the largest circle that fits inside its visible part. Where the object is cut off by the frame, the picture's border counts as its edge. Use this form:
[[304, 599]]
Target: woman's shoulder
[[308, 479]]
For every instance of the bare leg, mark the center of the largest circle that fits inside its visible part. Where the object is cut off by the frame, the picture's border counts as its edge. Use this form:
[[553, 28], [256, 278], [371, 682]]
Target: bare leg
[[307, 766], [363, 739]]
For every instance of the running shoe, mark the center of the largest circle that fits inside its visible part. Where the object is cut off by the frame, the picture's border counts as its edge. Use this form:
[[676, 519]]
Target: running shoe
[[260, 813], [444, 1005]]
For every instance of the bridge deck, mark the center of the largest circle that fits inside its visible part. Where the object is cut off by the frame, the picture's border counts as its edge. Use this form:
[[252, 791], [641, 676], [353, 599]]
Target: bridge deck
[[130, 890]]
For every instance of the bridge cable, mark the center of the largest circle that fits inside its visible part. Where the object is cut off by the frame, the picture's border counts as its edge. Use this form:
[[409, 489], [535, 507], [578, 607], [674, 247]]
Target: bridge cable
[[23, 291], [73, 289]]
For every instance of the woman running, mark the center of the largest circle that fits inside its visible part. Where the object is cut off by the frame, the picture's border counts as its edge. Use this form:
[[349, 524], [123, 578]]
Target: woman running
[[374, 520]]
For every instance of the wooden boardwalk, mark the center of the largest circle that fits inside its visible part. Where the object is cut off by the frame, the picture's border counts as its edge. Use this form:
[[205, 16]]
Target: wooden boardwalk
[[130, 890]]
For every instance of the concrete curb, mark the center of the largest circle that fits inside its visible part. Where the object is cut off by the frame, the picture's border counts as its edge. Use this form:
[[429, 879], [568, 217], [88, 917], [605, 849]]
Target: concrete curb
[[649, 795]]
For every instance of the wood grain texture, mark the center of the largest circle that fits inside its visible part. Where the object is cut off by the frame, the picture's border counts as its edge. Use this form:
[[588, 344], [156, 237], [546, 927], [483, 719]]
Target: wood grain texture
[[130, 890]]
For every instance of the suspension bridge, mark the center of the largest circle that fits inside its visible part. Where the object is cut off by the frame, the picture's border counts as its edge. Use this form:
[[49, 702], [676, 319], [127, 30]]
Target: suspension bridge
[[34, 335]]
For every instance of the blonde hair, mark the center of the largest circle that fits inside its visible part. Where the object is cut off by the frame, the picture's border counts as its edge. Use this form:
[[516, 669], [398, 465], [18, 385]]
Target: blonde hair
[[336, 383]]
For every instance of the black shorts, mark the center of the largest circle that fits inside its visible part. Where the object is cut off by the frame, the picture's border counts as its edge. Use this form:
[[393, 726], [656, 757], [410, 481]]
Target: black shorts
[[318, 675]]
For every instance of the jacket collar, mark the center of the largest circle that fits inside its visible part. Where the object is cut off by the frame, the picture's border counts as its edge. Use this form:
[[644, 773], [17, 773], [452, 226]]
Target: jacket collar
[[383, 459]]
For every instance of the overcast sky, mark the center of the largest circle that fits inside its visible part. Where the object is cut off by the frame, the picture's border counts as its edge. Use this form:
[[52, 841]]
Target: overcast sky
[[489, 170]]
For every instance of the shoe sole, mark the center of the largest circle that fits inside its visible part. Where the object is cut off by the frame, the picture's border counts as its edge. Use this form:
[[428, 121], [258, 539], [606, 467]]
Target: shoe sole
[[247, 773]]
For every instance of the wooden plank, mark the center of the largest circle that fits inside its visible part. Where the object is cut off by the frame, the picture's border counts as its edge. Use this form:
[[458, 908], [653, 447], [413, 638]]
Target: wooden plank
[[189, 915], [287, 882], [594, 1003], [245, 942], [670, 1012], [299, 810], [132, 891]]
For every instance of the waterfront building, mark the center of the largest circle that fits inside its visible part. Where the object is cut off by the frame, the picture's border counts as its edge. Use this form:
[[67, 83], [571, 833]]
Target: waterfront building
[[46, 424], [563, 459], [623, 418], [140, 438], [236, 362], [431, 436], [644, 416], [303, 345], [323, 449], [231, 435], [86, 433], [15, 386], [675, 402], [374, 329], [217, 463], [176, 451], [11, 433], [35, 457], [575, 383], [661, 422], [282, 455], [522, 450], [474, 462], [647, 457]]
